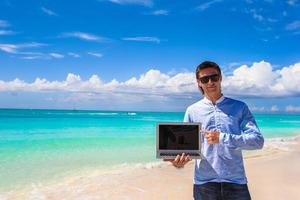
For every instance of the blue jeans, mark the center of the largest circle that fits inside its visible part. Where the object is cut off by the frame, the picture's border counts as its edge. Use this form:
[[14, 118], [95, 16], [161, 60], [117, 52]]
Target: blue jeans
[[221, 191]]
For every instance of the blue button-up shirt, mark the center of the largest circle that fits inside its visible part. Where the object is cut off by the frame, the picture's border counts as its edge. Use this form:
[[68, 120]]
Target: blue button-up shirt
[[223, 162]]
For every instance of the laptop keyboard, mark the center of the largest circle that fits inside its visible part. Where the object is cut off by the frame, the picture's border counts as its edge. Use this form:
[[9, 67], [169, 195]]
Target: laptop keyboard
[[175, 154]]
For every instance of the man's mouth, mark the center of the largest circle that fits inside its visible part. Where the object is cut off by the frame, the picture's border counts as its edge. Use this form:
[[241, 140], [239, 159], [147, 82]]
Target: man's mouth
[[211, 87]]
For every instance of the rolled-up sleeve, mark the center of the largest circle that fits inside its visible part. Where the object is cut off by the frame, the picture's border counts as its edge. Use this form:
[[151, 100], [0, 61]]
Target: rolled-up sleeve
[[250, 137]]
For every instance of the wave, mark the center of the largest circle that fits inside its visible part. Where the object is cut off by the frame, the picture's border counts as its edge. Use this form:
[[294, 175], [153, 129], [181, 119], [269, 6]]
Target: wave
[[102, 114], [77, 184], [147, 165], [81, 114], [282, 143], [290, 121], [92, 113], [131, 113]]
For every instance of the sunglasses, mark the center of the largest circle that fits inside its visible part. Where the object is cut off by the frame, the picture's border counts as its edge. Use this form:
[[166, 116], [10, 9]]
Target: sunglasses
[[213, 78]]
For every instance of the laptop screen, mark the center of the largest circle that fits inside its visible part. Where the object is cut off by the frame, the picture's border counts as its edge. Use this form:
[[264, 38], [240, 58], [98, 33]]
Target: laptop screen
[[178, 137]]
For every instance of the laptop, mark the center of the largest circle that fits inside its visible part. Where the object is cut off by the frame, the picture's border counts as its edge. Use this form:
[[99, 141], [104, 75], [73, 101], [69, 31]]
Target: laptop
[[177, 138]]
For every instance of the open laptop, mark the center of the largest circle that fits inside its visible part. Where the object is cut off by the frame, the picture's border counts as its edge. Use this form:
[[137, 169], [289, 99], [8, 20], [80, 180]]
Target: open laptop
[[177, 138]]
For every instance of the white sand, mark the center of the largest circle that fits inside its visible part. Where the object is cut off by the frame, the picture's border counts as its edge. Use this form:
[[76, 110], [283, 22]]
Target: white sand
[[274, 176]]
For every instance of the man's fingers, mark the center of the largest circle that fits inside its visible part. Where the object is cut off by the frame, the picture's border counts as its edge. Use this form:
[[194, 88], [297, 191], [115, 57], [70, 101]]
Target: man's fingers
[[175, 161], [212, 138], [209, 135], [212, 141], [181, 160], [187, 159]]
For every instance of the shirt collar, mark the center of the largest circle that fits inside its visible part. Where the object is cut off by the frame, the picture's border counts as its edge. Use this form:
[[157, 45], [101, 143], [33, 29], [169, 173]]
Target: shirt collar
[[206, 100]]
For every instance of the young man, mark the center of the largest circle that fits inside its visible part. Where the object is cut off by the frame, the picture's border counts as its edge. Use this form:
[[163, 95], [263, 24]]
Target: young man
[[228, 127]]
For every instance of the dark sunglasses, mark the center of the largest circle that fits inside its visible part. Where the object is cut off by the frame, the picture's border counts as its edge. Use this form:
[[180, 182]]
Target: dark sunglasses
[[213, 78]]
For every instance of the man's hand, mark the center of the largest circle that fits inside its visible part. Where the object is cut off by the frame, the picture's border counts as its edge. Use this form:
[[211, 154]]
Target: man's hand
[[179, 161], [212, 137]]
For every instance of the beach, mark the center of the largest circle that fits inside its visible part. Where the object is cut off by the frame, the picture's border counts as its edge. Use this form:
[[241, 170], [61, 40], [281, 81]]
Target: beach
[[63, 154], [272, 174], [275, 176]]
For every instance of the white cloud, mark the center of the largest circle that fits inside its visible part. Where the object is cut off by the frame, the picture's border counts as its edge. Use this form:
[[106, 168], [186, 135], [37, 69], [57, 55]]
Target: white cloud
[[291, 108], [257, 108], [293, 25], [148, 3], [14, 48], [143, 39], [160, 12], [153, 83], [153, 78], [261, 80], [56, 55], [4, 23], [251, 81], [95, 81], [257, 80], [31, 57], [18, 50], [84, 36], [72, 78], [31, 45], [208, 4], [98, 55], [6, 32], [274, 108], [75, 55], [8, 48], [288, 80], [48, 11]]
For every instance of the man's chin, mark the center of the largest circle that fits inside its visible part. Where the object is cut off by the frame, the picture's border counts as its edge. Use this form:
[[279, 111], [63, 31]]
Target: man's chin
[[212, 91]]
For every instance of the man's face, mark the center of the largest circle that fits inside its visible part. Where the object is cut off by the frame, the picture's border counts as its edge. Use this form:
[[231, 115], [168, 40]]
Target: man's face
[[210, 84]]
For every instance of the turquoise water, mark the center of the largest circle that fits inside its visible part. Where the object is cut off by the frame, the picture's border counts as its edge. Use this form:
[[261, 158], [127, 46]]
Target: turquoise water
[[39, 145]]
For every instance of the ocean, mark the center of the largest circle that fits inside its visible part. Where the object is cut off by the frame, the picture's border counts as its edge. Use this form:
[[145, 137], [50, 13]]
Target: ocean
[[39, 146]]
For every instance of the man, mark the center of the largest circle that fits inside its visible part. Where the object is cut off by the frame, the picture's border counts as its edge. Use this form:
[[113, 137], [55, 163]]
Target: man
[[228, 128]]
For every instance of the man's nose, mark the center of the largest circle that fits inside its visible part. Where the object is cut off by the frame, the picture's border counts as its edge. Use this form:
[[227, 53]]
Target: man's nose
[[210, 81]]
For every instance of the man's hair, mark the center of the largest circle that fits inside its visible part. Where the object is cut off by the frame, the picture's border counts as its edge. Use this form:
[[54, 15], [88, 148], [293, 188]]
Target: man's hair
[[205, 65]]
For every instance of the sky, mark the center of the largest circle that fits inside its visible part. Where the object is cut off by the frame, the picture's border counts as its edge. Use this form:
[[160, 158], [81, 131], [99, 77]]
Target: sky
[[142, 54]]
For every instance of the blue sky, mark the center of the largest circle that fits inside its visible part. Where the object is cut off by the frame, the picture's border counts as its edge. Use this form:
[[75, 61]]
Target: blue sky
[[118, 54]]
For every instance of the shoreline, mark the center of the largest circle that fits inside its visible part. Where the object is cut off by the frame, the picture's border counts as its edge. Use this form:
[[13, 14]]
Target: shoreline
[[141, 111], [160, 180]]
